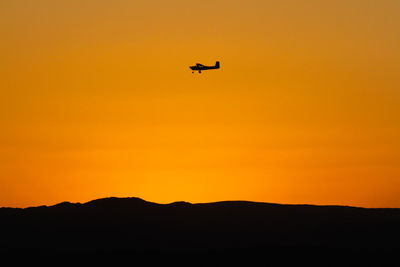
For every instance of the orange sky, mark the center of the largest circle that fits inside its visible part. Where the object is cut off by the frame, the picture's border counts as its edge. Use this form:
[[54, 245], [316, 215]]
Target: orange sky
[[97, 100]]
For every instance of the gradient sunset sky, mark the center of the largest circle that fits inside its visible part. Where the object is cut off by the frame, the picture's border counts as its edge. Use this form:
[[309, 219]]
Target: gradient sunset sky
[[97, 100]]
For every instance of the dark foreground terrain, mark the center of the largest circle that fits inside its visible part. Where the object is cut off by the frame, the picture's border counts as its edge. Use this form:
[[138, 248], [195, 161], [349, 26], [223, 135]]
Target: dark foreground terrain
[[222, 233]]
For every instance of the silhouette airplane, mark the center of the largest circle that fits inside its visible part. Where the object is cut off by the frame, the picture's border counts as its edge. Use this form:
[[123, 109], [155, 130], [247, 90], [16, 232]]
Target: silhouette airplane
[[200, 67]]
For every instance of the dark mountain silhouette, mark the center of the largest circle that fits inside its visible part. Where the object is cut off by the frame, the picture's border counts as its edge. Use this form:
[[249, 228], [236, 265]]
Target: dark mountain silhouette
[[274, 232]]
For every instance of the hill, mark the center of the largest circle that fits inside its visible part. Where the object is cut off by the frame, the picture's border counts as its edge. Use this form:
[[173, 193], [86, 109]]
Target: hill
[[132, 225]]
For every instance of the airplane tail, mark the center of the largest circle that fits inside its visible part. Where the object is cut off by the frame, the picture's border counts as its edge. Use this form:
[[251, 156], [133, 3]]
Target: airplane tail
[[217, 64]]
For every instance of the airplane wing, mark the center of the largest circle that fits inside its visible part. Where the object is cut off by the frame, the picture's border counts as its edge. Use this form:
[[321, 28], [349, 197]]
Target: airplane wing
[[199, 65]]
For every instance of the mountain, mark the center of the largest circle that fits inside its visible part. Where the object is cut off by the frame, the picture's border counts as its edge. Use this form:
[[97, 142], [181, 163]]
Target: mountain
[[134, 226]]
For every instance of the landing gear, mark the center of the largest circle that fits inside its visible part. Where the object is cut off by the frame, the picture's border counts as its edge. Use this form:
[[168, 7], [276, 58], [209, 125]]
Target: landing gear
[[199, 71]]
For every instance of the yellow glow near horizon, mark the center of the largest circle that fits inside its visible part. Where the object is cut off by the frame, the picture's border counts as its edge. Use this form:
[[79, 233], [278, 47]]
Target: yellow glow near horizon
[[97, 100]]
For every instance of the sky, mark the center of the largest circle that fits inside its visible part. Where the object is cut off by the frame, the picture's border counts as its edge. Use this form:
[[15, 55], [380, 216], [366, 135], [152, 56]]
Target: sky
[[97, 100]]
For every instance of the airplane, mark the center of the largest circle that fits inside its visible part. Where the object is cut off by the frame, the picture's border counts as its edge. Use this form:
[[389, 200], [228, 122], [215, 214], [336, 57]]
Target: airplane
[[200, 67]]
